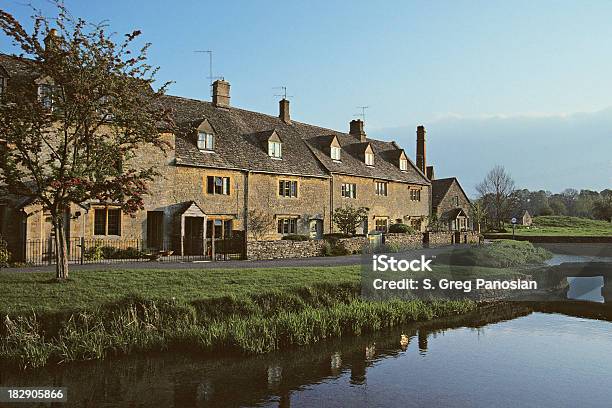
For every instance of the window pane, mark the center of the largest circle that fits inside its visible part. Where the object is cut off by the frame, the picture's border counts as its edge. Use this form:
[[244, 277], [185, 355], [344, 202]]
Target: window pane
[[210, 142], [226, 185], [280, 226], [210, 185], [100, 222], [114, 222]]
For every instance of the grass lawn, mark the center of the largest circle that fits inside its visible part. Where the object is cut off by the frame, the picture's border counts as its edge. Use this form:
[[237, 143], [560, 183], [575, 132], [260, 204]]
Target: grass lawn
[[86, 289], [24, 292], [562, 226]]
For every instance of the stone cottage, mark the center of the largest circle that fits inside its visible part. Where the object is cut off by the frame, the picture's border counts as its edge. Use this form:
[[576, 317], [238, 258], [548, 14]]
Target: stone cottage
[[228, 165]]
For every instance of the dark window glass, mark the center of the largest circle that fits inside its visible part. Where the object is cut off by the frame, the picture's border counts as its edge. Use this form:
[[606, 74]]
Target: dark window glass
[[114, 222], [100, 221]]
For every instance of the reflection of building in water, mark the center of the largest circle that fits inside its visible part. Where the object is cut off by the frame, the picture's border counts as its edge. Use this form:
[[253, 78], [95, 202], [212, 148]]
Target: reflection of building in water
[[422, 341], [275, 376], [284, 399], [336, 363]]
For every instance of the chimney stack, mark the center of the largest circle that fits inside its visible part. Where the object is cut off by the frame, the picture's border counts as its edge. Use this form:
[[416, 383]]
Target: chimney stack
[[430, 173], [420, 149], [356, 129], [283, 110], [221, 93], [51, 40]]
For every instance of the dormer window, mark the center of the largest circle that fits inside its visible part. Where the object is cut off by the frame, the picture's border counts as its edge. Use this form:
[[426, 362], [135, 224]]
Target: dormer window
[[45, 95], [275, 149], [369, 159], [403, 164], [335, 153], [206, 141]]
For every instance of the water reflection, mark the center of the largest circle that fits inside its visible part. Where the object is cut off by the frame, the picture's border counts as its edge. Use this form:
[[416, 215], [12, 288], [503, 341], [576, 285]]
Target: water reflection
[[329, 369]]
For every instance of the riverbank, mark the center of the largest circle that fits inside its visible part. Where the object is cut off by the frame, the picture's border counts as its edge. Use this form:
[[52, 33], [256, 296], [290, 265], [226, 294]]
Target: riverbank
[[247, 323]]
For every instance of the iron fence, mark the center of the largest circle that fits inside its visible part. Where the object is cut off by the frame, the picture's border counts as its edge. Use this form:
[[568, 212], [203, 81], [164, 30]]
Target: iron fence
[[39, 252]]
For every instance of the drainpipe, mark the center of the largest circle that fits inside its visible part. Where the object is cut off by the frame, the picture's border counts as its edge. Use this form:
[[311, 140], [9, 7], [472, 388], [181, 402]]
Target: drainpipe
[[331, 203]]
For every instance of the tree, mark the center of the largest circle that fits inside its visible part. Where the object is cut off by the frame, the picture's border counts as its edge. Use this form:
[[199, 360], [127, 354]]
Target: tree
[[602, 207], [71, 133], [478, 214], [495, 191], [349, 218], [259, 224]]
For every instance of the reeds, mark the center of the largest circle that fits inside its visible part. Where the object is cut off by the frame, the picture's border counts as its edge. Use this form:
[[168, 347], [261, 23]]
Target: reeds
[[256, 323]]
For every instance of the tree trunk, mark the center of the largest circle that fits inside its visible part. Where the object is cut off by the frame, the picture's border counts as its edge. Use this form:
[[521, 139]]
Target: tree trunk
[[61, 253]]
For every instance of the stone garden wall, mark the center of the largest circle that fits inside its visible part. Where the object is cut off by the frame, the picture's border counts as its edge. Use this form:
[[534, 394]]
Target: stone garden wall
[[353, 245], [404, 240], [283, 249]]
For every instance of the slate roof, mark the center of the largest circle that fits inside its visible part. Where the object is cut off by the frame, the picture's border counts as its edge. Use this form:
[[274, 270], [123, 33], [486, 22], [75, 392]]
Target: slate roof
[[240, 144], [17, 66], [240, 141], [439, 188]]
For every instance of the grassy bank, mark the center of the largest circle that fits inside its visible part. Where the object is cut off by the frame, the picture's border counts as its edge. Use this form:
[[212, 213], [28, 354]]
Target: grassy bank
[[555, 225], [99, 314]]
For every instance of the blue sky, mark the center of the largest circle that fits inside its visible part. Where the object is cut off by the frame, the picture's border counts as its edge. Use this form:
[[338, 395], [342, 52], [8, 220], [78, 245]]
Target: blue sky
[[494, 82]]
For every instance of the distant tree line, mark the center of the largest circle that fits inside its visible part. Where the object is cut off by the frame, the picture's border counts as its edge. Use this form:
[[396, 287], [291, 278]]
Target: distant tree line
[[498, 201], [583, 203]]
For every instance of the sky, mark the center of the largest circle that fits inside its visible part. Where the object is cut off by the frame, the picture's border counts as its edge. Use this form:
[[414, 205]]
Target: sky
[[523, 84]]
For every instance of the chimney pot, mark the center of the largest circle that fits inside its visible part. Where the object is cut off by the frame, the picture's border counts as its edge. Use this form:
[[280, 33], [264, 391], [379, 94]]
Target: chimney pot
[[283, 105], [221, 93], [356, 129], [420, 149]]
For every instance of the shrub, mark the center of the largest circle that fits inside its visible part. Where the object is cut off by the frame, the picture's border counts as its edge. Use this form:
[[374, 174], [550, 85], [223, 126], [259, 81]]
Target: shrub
[[296, 237], [5, 255], [499, 254], [401, 228]]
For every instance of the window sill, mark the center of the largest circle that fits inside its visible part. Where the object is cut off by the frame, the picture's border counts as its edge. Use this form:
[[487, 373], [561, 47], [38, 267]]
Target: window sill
[[206, 151], [276, 158]]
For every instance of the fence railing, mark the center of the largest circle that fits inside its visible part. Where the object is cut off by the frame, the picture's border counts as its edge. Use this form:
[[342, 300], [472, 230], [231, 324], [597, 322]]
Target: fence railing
[[93, 250]]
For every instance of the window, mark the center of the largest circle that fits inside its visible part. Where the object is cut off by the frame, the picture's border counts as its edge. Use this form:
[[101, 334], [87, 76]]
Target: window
[[206, 141], [155, 228], [369, 159], [415, 195], [335, 153], [107, 221], [45, 95], [403, 164], [218, 185], [349, 190], [287, 188], [275, 150], [416, 224], [381, 188], [456, 201], [287, 225], [381, 224]]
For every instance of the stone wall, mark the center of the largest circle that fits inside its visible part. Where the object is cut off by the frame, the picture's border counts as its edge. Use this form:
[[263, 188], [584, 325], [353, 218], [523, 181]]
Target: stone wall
[[284, 249], [353, 245], [440, 238], [404, 240]]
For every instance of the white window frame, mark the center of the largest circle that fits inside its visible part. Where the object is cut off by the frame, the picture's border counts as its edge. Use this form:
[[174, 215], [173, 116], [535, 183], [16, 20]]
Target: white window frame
[[403, 164], [369, 159], [275, 150], [335, 153], [206, 141]]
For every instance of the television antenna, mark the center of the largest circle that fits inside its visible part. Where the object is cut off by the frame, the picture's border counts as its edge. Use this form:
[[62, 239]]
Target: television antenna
[[211, 78], [363, 112], [283, 92]]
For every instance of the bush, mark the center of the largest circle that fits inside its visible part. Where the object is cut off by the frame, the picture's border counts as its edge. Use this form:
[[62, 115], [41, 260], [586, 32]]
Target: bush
[[296, 237], [99, 252], [5, 255], [401, 228], [499, 254]]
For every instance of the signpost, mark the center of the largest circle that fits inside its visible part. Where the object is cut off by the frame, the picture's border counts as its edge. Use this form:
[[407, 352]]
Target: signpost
[[513, 220]]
